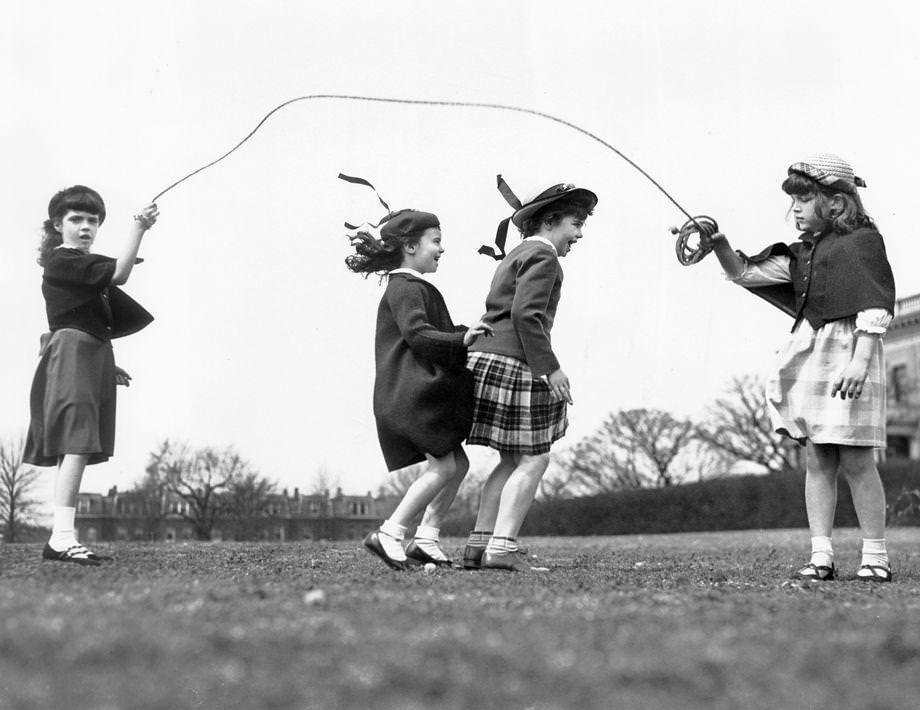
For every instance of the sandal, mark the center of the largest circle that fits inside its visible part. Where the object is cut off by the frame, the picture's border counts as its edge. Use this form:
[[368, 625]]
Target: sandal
[[875, 573], [818, 573]]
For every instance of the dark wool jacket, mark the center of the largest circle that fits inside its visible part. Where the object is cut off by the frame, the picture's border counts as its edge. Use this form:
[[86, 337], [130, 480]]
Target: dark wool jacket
[[423, 393], [78, 294], [521, 307], [834, 276]]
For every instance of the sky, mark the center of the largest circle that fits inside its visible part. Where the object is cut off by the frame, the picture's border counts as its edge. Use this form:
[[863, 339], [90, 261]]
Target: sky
[[263, 341]]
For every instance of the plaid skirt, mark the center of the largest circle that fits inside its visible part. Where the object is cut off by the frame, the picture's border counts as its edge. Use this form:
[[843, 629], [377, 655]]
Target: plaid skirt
[[512, 411], [72, 402], [799, 390]]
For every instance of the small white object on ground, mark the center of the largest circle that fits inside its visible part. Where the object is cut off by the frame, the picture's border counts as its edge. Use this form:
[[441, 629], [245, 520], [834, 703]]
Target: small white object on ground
[[430, 568], [314, 597]]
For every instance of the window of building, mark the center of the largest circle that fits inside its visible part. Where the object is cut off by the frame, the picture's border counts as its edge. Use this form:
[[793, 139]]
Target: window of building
[[83, 505], [899, 383]]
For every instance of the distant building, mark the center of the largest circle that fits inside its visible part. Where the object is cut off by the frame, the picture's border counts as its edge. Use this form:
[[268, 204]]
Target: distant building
[[127, 516], [902, 354]]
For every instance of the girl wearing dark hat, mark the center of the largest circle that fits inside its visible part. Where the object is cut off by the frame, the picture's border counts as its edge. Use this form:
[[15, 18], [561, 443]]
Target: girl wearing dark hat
[[72, 401], [828, 387], [422, 389], [520, 390]]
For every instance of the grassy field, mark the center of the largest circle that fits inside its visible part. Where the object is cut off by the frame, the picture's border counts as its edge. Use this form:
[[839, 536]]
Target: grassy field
[[689, 621]]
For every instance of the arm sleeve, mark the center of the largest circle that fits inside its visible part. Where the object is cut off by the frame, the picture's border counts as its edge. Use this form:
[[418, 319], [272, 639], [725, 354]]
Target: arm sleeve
[[536, 278], [772, 270], [91, 270], [873, 320], [407, 302]]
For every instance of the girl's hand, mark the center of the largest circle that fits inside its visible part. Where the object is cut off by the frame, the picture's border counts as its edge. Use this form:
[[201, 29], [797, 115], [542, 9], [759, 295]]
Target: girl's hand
[[559, 385], [147, 217], [850, 382], [478, 328], [122, 378], [709, 240]]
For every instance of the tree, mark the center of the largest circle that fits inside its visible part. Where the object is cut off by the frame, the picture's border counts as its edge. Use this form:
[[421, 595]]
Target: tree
[[201, 478], [245, 501], [632, 448], [17, 483], [738, 425]]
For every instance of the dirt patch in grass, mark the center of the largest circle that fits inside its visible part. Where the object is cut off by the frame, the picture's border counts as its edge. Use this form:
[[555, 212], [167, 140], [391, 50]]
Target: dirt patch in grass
[[666, 621]]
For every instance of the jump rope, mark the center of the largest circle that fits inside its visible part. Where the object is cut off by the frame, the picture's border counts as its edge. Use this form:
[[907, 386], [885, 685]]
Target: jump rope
[[701, 226]]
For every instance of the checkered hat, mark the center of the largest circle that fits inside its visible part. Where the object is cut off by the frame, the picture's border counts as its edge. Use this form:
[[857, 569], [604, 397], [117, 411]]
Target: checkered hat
[[830, 170]]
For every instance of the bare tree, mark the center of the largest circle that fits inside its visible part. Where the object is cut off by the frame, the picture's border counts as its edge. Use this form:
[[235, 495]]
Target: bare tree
[[633, 448], [738, 425], [398, 482], [17, 483], [324, 481], [200, 478]]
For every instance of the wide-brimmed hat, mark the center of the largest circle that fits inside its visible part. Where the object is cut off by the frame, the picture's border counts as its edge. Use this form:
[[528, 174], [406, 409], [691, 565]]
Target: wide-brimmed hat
[[829, 170], [546, 197], [406, 222]]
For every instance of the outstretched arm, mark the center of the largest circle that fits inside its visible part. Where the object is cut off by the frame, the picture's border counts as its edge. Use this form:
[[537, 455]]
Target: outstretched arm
[[732, 264], [125, 262]]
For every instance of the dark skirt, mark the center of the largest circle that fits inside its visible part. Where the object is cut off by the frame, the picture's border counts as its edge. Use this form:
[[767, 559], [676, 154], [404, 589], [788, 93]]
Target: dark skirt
[[72, 402]]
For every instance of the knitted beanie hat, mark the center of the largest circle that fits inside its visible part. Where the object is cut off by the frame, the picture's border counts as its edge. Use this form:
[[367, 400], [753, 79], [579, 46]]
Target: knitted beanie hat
[[830, 170]]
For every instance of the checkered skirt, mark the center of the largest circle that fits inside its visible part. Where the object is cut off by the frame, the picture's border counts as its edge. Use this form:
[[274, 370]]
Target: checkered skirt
[[513, 412], [798, 391]]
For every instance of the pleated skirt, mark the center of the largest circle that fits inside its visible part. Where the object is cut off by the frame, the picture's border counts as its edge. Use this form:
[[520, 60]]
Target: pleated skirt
[[512, 411]]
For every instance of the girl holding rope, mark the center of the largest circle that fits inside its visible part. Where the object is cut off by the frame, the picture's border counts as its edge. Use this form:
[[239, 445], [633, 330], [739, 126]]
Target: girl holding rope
[[521, 391], [828, 388], [72, 401], [422, 389]]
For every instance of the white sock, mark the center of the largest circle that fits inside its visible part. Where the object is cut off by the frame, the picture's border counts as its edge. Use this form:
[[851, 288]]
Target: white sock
[[822, 552], [874, 552], [502, 544], [426, 538], [391, 537], [63, 534]]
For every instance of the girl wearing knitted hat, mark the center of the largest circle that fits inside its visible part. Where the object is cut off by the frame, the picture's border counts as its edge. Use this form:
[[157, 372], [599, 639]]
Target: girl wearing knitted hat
[[828, 388], [422, 390], [72, 400], [520, 389]]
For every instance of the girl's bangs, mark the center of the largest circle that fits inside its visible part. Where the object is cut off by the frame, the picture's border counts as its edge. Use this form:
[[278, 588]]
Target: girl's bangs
[[798, 184]]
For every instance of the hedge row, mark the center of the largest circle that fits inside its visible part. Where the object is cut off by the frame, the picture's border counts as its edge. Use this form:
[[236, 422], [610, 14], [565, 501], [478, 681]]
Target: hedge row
[[730, 503]]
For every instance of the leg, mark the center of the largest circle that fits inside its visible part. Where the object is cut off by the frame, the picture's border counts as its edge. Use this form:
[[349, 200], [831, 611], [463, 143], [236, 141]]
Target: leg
[[386, 542], [438, 508], [821, 463], [490, 498], [489, 501], [502, 551], [424, 547], [857, 463], [63, 545], [518, 494]]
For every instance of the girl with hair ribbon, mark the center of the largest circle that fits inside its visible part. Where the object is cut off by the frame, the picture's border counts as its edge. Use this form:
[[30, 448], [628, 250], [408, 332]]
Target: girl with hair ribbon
[[827, 389], [422, 389], [72, 401], [521, 392]]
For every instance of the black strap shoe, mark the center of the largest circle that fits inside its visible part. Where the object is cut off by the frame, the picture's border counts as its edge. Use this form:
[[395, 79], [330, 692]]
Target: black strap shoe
[[417, 554], [75, 553], [372, 543]]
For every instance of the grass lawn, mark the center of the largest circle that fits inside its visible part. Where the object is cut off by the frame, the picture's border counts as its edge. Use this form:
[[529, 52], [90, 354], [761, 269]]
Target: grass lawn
[[704, 620]]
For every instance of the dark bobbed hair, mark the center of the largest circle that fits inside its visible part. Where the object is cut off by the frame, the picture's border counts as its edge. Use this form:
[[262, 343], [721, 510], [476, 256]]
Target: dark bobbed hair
[[78, 198], [554, 213], [852, 216], [380, 255]]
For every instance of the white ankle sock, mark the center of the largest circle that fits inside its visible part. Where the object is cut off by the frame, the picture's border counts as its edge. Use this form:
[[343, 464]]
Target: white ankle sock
[[822, 552], [426, 538], [391, 537], [874, 552], [63, 534]]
